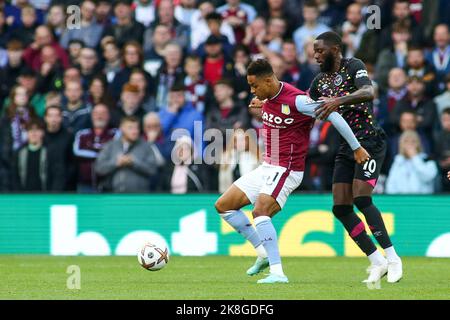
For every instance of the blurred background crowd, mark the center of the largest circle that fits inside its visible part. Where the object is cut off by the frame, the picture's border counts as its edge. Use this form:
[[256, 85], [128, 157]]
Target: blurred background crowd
[[92, 108]]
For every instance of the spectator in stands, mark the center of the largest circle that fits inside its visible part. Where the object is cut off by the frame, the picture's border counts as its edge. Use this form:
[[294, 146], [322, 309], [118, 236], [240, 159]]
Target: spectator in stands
[[154, 54], [160, 146], [227, 113], [353, 30], [75, 110], [14, 11], [126, 164], [29, 80], [113, 60], [199, 28], [408, 122], [443, 148], [43, 36], [311, 28], [171, 71], [412, 172], [11, 71], [439, 57], [271, 41], [386, 101], [237, 14], [241, 59], [90, 32], [179, 114], [88, 66], [257, 27], [417, 101], [145, 11], [97, 93], [13, 125], [332, 14], [71, 74], [129, 105], [182, 175], [216, 65], [35, 167], [139, 78], [240, 156], [196, 86], [185, 10], [165, 16], [25, 32], [401, 13], [133, 57], [126, 28], [392, 57], [214, 22], [87, 145], [74, 49], [103, 13], [416, 65], [302, 75], [153, 133], [5, 29], [279, 9], [442, 101], [58, 142], [56, 20], [51, 72]]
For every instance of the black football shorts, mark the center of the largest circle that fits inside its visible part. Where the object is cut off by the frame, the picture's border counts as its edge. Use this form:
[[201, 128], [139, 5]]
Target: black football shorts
[[346, 169]]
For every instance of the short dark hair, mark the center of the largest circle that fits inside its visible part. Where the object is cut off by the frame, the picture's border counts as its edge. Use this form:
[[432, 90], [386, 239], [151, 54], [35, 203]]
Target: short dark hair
[[331, 38], [260, 67], [214, 16], [225, 81], [129, 119], [446, 110], [311, 4], [177, 86], [35, 123]]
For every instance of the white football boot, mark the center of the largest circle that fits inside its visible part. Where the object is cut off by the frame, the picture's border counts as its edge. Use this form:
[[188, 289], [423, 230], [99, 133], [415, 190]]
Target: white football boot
[[376, 272], [395, 271]]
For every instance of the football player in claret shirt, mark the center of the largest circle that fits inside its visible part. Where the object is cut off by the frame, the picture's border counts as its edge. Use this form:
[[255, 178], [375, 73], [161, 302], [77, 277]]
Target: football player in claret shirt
[[288, 117], [345, 87]]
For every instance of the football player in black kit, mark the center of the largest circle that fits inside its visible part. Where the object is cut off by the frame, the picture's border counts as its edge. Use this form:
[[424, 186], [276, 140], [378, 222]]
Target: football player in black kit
[[344, 86]]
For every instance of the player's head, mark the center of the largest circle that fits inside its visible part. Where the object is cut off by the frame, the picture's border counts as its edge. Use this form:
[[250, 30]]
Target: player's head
[[327, 48], [261, 79]]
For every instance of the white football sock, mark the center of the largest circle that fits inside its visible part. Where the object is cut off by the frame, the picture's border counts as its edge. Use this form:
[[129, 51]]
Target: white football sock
[[391, 255], [277, 269], [377, 258]]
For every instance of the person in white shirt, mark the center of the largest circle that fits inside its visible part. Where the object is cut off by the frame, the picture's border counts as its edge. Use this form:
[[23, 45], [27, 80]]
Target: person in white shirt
[[412, 172]]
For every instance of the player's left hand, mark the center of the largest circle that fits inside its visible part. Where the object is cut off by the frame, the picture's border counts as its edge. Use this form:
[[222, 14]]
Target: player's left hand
[[324, 110], [361, 155]]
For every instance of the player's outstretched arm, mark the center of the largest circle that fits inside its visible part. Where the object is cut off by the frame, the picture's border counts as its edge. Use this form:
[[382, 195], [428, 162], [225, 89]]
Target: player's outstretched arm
[[308, 106]]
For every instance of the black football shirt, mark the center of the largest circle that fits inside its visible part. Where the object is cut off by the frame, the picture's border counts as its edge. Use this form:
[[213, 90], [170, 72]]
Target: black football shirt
[[351, 76]]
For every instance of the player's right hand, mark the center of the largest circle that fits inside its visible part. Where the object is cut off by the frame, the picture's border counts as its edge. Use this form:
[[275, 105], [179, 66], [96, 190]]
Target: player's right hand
[[256, 103], [361, 155]]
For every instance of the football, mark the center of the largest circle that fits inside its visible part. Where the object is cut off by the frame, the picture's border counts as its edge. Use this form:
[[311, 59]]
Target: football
[[153, 257]]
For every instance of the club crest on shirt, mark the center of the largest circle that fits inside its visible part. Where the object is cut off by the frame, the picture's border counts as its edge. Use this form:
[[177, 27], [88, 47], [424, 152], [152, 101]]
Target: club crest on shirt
[[338, 80], [285, 109]]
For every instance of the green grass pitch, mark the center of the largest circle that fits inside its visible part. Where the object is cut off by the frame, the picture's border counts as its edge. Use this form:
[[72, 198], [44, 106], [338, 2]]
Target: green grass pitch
[[214, 277]]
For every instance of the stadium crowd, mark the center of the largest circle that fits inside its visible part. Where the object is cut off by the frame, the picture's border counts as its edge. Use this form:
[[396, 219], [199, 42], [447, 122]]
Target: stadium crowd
[[93, 108]]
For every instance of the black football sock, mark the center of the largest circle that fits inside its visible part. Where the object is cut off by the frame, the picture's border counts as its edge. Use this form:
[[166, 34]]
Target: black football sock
[[374, 220], [355, 227]]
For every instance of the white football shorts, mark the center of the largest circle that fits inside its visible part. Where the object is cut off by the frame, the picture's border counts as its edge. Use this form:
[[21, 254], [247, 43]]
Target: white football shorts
[[276, 181]]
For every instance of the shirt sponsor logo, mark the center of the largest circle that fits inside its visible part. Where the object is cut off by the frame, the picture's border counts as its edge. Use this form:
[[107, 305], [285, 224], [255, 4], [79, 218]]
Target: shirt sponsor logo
[[276, 119], [338, 80], [361, 74]]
